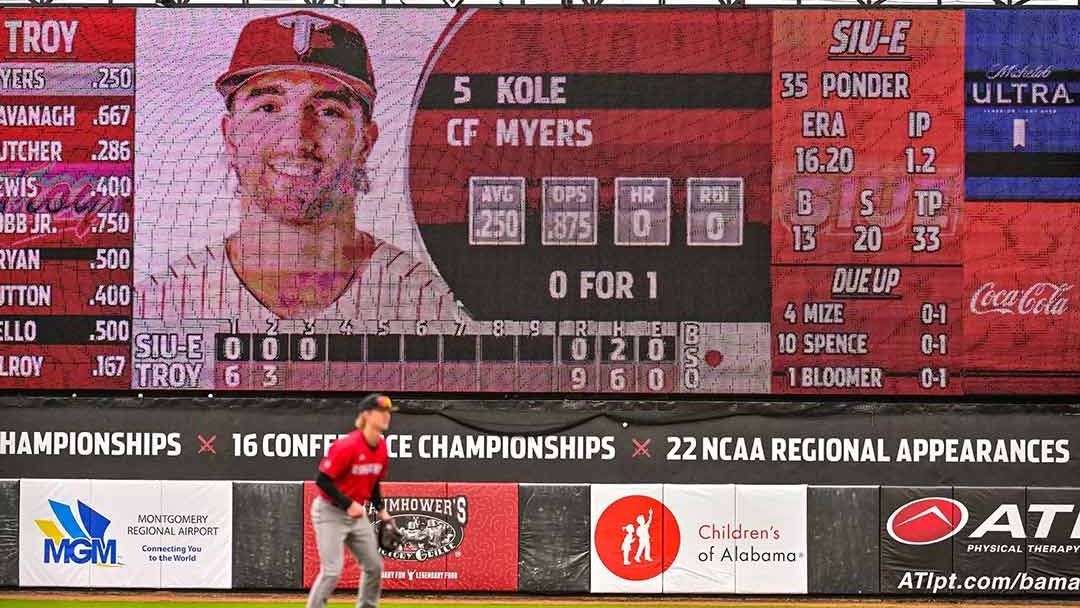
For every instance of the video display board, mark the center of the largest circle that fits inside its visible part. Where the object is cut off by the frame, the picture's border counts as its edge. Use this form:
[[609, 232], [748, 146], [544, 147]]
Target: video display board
[[836, 202]]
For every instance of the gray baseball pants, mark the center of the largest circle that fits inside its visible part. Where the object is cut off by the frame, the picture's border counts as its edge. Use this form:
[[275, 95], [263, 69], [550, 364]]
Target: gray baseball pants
[[333, 527]]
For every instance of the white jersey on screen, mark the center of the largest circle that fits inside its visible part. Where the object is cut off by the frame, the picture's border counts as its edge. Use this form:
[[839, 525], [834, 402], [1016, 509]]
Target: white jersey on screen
[[391, 285]]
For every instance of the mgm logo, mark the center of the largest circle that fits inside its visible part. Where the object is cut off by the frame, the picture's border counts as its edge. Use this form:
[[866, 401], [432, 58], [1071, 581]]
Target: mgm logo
[[432, 527]]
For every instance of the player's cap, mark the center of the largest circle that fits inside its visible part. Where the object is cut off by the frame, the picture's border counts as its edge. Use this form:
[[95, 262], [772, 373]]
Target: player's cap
[[377, 401], [302, 40]]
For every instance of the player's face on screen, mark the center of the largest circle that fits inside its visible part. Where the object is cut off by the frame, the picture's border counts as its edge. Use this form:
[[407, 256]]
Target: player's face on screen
[[297, 141]]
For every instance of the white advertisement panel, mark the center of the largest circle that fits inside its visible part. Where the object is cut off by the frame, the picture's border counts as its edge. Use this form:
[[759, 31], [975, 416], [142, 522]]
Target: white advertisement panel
[[630, 531], [770, 539], [112, 533], [706, 515], [198, 552], [61, 535], [124, 502]]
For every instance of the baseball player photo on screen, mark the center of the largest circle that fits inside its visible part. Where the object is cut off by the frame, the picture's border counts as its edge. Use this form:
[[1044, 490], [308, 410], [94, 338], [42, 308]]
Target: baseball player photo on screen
[[271, 182], [298, 126]]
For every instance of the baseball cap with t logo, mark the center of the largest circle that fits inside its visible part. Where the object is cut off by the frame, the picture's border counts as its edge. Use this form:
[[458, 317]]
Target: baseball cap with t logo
[[302, 40]]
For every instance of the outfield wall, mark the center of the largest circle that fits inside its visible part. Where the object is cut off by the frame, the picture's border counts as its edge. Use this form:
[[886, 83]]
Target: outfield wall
[[753, 497], [556, 539]]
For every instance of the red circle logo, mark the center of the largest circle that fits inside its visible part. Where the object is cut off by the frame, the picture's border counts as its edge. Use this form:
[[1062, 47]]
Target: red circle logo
[[636, 538], [925, 521]]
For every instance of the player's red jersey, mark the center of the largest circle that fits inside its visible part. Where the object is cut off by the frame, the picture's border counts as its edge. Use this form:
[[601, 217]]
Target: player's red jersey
[[355, 466]]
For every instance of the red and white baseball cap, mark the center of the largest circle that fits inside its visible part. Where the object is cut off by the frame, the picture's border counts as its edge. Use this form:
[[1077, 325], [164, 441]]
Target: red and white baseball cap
[[306, 41]]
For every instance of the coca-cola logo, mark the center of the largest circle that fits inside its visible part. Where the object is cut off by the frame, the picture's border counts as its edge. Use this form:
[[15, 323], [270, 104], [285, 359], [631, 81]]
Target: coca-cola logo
[[1043, 298]]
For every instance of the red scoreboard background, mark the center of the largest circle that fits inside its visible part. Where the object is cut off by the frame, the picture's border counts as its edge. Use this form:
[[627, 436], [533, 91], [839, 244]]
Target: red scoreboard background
[[837, 202]]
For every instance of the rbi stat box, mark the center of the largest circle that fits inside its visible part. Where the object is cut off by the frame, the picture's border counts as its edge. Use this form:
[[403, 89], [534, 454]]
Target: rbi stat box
[[496, 210], [570, 210], [642, 211], [714, 211]]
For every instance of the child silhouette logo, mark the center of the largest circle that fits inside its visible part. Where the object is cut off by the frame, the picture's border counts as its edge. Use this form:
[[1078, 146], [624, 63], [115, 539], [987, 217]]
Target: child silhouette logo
[[627, 544], [644, 540], [624, 534]]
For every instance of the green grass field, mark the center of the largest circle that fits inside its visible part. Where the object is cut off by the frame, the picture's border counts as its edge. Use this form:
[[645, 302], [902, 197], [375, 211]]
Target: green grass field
[[136, 601], [8, 603]]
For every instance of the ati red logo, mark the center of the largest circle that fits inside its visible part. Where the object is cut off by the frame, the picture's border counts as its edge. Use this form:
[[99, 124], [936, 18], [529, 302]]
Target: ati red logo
[[636, 538], [927, 520]]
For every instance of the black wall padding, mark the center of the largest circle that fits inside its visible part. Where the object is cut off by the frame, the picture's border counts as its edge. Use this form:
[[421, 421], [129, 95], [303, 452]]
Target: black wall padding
[[553, 538], [9, 532], [970, 557], [268, 528], [898, 558], [1042, 559], [843, 539]]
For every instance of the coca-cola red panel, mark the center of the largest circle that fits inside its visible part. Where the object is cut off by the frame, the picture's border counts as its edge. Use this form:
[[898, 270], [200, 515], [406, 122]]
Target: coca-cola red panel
[[1021, 330]]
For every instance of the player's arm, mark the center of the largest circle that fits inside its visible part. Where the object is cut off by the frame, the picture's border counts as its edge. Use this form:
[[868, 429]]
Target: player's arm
[[377, 501], [326, 484]]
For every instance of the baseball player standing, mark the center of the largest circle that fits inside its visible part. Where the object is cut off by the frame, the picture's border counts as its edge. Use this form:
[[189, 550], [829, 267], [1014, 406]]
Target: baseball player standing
[[348, 480]]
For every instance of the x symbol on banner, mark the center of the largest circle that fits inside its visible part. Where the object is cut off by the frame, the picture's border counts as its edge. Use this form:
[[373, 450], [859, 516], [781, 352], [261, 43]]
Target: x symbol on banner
[[641, 448], [207, 444]]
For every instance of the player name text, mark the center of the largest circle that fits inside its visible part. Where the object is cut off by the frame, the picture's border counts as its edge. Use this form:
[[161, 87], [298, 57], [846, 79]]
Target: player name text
[[31, 150], [527, 132], [530, 89], [26, 295], [21, 366], [837, 377], [831, 313], [22, 78], [865, 85], [23, 186], [836, 344], [20, 259], [18, 331], [37, 116], [23, 223]]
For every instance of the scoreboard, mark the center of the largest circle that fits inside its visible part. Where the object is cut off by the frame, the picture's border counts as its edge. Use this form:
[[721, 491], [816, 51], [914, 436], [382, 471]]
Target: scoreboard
[[828, 202]]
